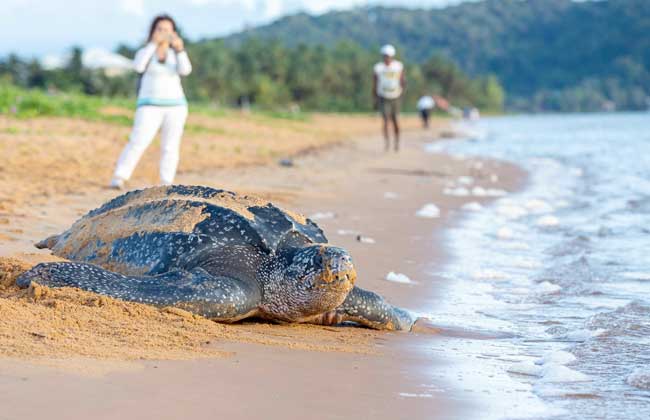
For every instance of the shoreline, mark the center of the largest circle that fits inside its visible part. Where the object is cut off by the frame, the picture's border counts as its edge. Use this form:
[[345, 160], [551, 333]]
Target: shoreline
[[349, 182]]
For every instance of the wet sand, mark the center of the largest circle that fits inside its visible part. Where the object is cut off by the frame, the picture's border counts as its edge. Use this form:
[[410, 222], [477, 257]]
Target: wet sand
[[276, 371]]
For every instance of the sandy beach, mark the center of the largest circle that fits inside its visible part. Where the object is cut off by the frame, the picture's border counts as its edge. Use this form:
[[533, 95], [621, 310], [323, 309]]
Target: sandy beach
[[71, 354], [200, 216]]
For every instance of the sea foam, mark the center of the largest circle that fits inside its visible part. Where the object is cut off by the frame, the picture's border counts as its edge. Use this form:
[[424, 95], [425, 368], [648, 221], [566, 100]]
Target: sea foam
[[410, 395], [636, 275], [560, 373], [505, 233], [640, 378], [526, 368], [479, 191], [322, 215], [537, 206], [399, 278], [559, 357], [430, 211], [489, 274], [511, 211], [495, 192], [548, 221], [456, 192], [547, 288], [366, 239], [583, 335], [472, 206]]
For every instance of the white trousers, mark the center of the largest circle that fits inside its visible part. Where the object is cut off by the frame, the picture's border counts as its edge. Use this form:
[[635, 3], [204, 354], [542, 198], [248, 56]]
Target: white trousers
[[148, 119]]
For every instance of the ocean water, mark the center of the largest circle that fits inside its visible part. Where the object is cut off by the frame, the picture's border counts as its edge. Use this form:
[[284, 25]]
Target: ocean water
[[562, 267]]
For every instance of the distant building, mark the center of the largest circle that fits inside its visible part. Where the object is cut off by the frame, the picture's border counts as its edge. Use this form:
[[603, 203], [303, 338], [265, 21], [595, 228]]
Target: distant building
[[111, 63]]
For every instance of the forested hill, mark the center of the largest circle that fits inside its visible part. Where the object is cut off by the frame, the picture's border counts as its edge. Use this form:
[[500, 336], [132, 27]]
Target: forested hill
[[549, 54]]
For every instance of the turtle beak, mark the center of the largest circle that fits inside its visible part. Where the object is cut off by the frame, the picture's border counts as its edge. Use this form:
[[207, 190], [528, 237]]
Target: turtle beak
[[343, 269]]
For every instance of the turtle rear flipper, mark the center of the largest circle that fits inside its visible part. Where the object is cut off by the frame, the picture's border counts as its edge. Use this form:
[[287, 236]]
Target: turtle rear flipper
[[220, 298]]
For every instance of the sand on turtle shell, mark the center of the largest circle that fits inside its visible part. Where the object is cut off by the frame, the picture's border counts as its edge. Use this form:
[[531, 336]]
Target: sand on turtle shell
[[81, 238], [56, 323], [239, 203]]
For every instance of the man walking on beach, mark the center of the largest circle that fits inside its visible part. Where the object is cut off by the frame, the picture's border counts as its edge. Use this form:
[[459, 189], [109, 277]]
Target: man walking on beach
[[387, 87]]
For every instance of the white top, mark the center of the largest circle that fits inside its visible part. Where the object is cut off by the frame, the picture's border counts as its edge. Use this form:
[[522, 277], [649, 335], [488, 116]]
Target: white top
[[426, 102], [389, 77], [161, 82]]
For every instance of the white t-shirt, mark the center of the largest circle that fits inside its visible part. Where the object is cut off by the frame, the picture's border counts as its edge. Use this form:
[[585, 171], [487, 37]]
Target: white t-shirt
[[161, 82], [389, 77], [426, 103]]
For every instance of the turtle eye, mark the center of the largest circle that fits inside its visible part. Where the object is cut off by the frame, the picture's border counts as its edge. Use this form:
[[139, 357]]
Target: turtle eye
[[317, 261]]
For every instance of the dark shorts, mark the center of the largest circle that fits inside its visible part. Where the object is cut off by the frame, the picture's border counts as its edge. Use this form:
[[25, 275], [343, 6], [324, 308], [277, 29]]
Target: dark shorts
[[424, 113], [389, 107]]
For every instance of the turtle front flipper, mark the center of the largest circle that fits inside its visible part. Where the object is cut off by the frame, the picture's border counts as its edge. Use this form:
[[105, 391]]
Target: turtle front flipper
[[370, 310], [219, 298]]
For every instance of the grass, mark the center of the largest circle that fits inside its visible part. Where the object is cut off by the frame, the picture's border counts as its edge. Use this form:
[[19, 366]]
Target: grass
[[30, 103], [11, 130], [24, 103], [200, 129], [285, 115]]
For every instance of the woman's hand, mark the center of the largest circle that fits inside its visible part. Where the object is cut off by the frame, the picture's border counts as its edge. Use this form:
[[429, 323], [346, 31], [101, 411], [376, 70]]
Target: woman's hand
[[177, 43], [160, 38]]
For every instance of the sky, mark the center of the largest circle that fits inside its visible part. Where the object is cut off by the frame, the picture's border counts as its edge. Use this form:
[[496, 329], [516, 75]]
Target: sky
[[35, 28]]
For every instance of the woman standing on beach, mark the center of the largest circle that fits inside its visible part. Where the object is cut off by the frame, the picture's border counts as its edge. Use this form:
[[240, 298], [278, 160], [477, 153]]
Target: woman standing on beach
[[161, 102]]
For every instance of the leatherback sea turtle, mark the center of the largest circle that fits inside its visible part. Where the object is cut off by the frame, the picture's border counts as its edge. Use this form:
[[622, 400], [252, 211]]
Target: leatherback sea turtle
[[215, 253]]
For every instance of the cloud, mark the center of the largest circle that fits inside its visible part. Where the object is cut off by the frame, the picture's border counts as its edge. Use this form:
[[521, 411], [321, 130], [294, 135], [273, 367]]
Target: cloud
[[39, 27], [319, 7], [247, 4], [132, 7], [273, 9]]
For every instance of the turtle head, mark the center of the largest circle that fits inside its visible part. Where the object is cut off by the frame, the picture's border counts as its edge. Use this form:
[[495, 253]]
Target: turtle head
[[313, 280], [323, 267]]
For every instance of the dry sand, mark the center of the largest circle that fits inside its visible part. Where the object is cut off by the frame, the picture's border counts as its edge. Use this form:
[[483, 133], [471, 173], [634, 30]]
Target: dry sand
[[41, 324], [45, 157], [100, 357]]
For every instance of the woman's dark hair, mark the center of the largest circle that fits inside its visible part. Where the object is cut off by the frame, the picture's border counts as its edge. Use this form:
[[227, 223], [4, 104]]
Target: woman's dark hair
[[157, 19]]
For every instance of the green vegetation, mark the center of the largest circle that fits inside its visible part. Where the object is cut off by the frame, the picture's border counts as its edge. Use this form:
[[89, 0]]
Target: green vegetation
[[547, 55], [271, 77], [557, 55], [34, 102]]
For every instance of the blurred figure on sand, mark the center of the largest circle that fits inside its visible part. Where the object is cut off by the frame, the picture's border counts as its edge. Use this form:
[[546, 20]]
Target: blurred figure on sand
[[471, 113], [425, 105], [387, 87], [441, 103], [161, 102]]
